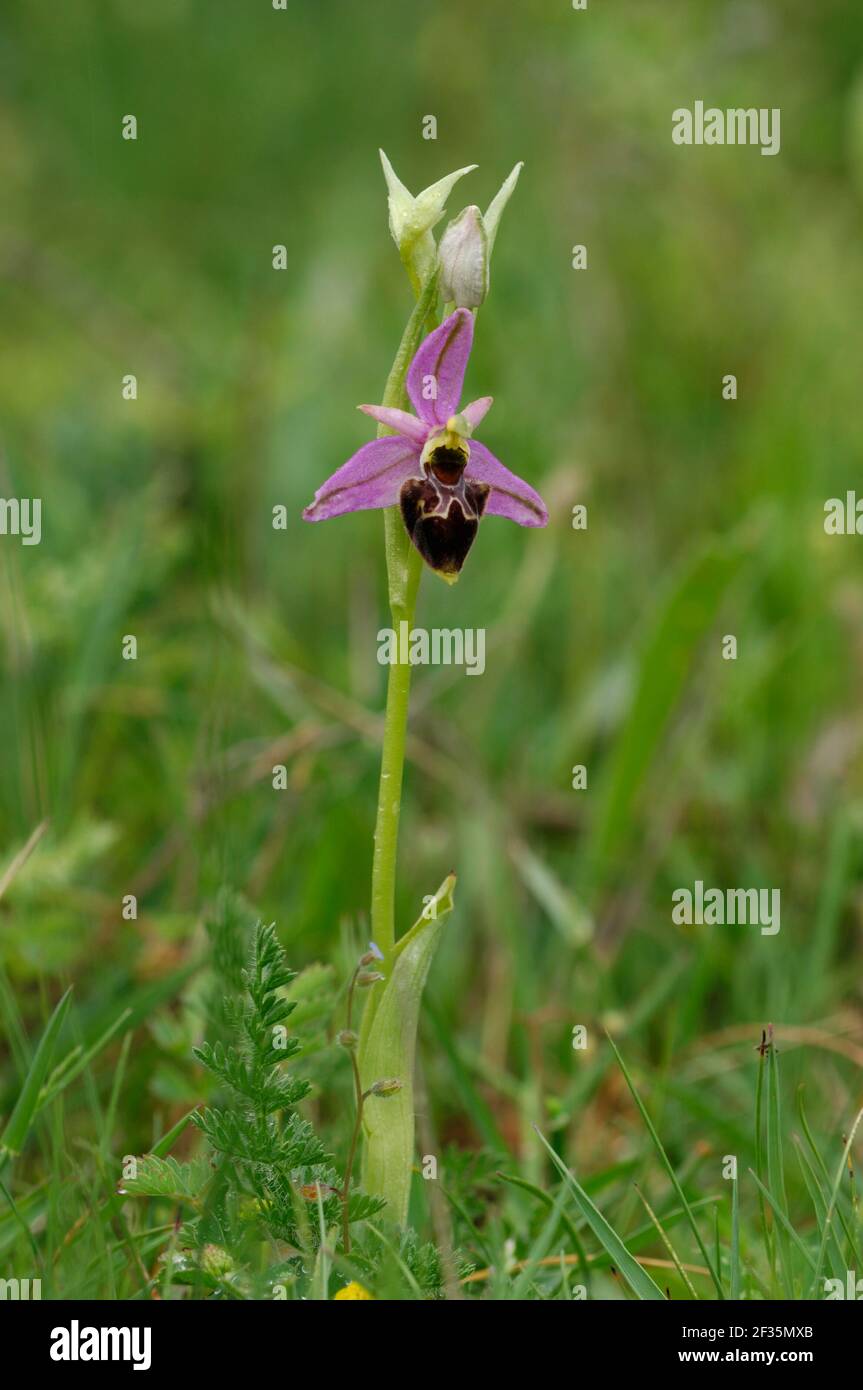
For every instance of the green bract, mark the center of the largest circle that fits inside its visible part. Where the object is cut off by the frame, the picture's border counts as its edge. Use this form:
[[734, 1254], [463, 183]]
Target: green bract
[[465, 251], [387, 1046]]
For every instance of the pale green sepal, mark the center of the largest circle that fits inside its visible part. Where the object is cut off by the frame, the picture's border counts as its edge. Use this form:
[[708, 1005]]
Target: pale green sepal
[[400, 199], [430, 205], [387, 1047], [498, 203], [412, 219]]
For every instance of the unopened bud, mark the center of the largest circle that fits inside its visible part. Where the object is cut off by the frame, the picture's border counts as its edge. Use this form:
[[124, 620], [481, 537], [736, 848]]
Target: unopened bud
[[369, 977], [385, 1088], [216, 1261], [463, 257], [347, 1038]]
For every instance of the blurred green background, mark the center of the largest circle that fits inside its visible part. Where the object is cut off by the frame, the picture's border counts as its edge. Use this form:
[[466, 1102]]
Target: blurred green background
[[256, 646]]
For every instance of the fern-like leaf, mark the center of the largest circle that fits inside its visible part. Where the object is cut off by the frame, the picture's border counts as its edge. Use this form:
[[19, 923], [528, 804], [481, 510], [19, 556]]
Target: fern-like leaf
[[165, 1177]]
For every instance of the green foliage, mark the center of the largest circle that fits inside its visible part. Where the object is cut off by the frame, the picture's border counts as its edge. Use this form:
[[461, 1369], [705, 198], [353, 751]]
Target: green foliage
[[399, 1264], [266, 1093], [266, 1147], [165, 1177], [268, 1165], [27, 1105], [228, 933]]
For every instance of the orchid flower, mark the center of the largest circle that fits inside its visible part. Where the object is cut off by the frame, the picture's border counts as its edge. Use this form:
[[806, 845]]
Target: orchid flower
[[442, 478]]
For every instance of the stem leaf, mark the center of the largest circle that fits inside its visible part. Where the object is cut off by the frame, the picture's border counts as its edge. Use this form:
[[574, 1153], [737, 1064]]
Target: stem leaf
[[387, 1047]]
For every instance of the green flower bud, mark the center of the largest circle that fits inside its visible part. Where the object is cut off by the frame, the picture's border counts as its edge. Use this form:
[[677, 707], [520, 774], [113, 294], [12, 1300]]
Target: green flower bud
[[369, 977], [385, 1088], [216, 1261], [347, 1038]]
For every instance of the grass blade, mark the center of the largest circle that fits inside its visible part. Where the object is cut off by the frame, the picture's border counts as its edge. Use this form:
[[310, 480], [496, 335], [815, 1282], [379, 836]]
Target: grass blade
[[548, 1201], [776, 1168], [759, 1150], [666, 1242], [637, 1278], [828, 1220], [825, 1180], [785, 1224], [819, 1204], [735, 1239], [666, 1163], [538, 1250], [16, 1131], [75, 1063]]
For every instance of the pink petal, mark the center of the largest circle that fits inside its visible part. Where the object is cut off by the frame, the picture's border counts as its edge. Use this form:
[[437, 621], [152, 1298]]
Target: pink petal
[[510, 495], [372, 478], [398, 420], [477, 410], [438, 368]]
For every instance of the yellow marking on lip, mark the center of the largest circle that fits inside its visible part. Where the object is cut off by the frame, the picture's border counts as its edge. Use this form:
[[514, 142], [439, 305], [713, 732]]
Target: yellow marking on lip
[[446, 439]]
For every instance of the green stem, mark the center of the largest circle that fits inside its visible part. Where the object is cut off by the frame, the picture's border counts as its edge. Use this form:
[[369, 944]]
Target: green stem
[[389, 1145], [392, 771], [404, 569], [352, 1153], [358, 1119]]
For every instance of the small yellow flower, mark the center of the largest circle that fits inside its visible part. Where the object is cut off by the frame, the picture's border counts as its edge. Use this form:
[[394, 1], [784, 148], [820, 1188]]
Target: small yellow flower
[[353, 1290]]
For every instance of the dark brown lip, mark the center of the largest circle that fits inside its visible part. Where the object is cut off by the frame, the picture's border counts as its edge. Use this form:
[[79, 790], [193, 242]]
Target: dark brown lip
[[443, 537]]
